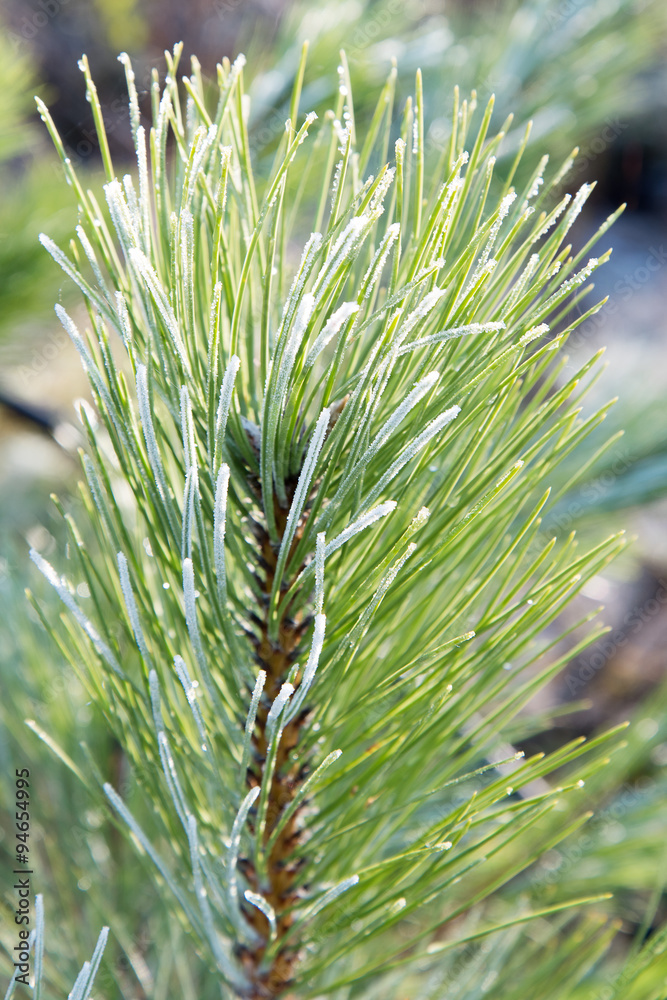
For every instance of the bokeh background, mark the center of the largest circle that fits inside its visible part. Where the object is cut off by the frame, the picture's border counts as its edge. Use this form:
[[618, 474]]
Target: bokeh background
[[590, 73]]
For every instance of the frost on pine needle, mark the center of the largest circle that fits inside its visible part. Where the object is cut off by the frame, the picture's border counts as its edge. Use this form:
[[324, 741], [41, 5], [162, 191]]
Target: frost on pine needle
[[261, 376], [376, 267], [145, 413], [191, 688], [233, 853], [222, 412], [160, 298], [131, 605], [219, 528], [187, 430], [332, 327], [61, 588], [457, 331], [363, 522], [277, 708], [192, 624], [429, 301], [124, 321], [173, 784], [320, 556], [250, 720], [311, 664]]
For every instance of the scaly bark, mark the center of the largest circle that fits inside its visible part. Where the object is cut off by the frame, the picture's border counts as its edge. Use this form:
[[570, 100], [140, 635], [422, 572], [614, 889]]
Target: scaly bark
[[276, 658]]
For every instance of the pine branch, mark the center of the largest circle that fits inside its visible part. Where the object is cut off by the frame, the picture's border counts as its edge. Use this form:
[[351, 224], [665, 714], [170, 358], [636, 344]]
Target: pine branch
[[337, 463]]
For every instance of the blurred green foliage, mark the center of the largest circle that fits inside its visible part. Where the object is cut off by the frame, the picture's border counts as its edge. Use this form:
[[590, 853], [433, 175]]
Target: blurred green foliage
[[33, 195], [577, 68], [15, 81]]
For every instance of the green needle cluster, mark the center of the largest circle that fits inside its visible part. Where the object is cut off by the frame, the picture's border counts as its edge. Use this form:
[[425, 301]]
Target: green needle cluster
[[329, 401]]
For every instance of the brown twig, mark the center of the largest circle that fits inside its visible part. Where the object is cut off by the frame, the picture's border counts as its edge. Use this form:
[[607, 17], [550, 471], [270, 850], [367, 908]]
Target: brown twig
[[276, 658]]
